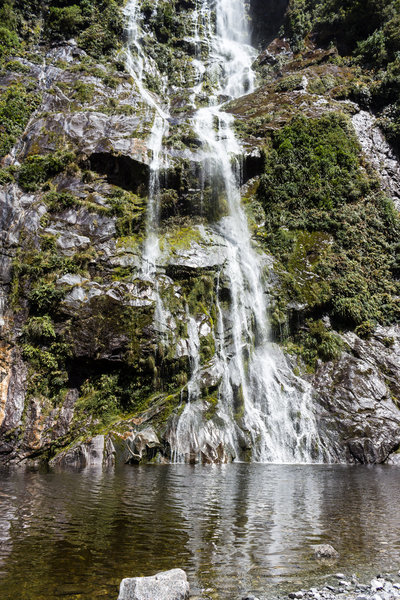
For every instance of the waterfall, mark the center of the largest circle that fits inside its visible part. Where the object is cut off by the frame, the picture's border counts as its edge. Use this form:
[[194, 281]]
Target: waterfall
[[264, 412], [138, 64]]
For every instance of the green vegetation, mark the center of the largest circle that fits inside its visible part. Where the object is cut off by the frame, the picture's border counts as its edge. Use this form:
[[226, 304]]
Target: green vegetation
[[316, 342], [9, 40], [97, 24], [17, 102], [333, 233], [313, 164], [367, 32], [100, 397], [129, 208], [57, 201], [171, 25], [38, 169]]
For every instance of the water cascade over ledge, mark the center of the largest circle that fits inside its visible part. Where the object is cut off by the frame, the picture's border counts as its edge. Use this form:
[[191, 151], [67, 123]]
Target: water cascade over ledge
[[263, 411]]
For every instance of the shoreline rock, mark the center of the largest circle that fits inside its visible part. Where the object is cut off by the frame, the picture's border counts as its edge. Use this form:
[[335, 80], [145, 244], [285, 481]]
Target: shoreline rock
[[381, 587], [166, 585]]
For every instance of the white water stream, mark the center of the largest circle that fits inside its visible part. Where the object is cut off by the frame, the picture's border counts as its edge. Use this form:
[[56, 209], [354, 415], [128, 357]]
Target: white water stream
[[138, 64], [264, 411]]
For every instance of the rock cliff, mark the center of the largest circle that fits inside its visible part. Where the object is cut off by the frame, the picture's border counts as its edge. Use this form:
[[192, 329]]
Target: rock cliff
[[90, 370]]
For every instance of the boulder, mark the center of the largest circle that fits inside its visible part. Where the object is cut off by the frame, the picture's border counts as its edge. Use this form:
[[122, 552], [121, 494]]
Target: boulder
[[143, 444], [167, 585], [95, 452], [325, 551]]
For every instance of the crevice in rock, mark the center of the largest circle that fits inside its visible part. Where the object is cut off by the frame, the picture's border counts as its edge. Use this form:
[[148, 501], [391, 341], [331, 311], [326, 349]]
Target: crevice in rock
[[79, 370], [122, 171], [253, 165], [265, 30]]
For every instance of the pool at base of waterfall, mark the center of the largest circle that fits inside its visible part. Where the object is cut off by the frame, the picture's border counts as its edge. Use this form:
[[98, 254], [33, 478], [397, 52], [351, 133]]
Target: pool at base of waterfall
[[235, 529]]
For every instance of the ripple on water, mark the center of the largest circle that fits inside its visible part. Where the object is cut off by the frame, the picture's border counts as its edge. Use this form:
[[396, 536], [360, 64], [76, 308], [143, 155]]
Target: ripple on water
[[233, 528]]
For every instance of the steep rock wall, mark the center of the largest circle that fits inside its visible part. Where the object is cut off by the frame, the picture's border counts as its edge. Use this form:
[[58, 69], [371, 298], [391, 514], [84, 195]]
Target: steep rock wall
[[84, 356]]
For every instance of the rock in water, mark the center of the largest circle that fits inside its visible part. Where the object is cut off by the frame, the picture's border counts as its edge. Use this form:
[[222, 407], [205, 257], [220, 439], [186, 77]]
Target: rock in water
[[325, 551], [167, 585]]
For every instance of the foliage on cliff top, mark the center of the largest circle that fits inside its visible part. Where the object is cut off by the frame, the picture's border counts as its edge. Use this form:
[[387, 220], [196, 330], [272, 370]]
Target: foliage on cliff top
[[365, 31], [96, 24], [368, 29]]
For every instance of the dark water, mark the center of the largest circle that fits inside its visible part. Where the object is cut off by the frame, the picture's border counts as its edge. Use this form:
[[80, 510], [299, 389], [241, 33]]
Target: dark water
[[234, 529]]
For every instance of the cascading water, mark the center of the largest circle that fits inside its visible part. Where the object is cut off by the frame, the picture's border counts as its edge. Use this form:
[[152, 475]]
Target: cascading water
[[264, 411], [137, 65]]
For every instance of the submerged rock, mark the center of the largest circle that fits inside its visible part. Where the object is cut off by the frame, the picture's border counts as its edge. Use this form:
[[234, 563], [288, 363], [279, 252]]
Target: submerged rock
[[167, 585], [325, 551]]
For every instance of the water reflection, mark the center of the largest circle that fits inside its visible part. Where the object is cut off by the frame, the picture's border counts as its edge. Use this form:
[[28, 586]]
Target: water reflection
[[234, 528]]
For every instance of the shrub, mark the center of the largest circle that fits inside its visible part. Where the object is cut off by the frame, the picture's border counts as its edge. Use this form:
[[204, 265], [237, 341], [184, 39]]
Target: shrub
[[44, 298], [100, 397], [58, 201], [38, 169], [16, 106], [97, 25], [9, 43], [65, 22], [313, 162], [39, 329], [333, 233]]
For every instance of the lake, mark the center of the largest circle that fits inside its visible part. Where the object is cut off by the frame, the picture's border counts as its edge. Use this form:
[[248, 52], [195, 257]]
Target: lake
[[234, 529]]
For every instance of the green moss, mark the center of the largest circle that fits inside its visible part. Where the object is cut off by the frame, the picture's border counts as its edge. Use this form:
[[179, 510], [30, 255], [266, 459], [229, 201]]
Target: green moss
[[238, 403], [38, 169], [212, 406], [129, 208], [207, 348], [290, 83], [180, 239], [84, 92], [332, 232], [58, 201], [316, 342], [17, 103]]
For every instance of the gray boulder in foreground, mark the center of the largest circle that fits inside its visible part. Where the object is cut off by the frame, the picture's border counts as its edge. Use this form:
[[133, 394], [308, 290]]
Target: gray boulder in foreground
[[167, 585]]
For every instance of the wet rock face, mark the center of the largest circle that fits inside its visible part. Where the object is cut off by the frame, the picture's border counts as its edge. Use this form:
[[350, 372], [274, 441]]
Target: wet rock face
[[12, 397], [89, 255], [359, 395], [379, 153], [96, 452]]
